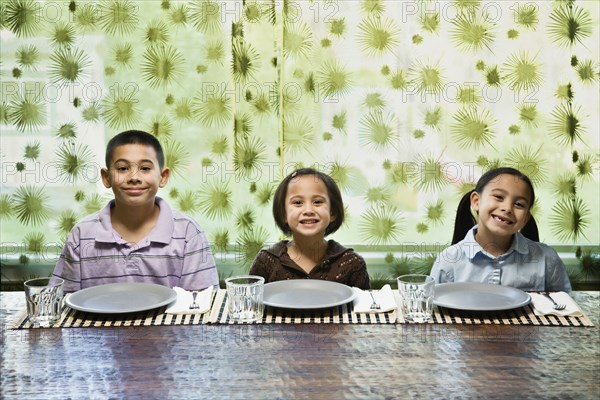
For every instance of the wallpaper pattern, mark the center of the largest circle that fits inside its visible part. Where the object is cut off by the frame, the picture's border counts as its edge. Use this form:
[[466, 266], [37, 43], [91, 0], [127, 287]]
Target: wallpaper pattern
[[404, 103]]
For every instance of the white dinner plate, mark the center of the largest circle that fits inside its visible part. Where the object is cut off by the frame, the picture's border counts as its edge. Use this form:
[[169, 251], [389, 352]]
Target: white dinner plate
[[474, 296], [307, 294], [118, 298]]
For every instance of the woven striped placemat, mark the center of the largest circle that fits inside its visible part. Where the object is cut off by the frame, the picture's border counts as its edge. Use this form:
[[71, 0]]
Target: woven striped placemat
[[519, 316], [71, 318], [343, 314]]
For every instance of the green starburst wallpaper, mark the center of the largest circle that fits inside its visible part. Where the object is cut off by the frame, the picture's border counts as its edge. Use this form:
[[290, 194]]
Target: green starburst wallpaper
[[404, 103]]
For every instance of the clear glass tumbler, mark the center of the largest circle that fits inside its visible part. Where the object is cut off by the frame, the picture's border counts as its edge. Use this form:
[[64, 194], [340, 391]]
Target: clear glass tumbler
[[245, 298], [44, 300], [416, 294]]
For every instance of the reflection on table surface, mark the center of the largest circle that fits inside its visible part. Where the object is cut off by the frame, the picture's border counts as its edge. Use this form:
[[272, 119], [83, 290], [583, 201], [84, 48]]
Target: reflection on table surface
[[302, 360]]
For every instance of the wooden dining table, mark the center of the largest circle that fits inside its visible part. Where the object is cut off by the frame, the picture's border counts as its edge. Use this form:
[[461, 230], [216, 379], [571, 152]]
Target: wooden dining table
[[302, 361]]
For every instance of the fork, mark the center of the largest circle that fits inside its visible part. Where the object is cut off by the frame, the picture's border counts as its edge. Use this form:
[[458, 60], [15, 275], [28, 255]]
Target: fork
[[374, 305], [557, 306], [194, 304]]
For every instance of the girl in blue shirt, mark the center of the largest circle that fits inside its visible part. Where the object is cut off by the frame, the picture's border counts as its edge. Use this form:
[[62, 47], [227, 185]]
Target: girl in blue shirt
[[495, 251]]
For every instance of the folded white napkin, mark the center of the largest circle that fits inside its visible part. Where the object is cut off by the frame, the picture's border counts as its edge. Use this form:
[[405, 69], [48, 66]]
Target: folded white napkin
[[384, 297], [185, 298], [543, 306]]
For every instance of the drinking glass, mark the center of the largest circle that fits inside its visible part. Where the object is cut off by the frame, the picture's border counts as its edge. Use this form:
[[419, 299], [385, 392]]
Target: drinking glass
[[416, 294], [44, 300], [245, 294]]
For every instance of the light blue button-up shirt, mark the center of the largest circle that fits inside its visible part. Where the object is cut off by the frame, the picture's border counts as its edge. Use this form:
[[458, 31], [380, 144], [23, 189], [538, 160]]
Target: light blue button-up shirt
[[527, 265]]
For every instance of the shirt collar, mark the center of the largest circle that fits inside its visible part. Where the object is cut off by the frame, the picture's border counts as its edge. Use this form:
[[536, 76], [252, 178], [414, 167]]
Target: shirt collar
[[106, 234], [520, 243], [472, 249], [162, 232]]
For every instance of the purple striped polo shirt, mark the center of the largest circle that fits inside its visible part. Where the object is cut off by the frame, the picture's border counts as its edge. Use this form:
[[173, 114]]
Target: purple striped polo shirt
[[175, 253]]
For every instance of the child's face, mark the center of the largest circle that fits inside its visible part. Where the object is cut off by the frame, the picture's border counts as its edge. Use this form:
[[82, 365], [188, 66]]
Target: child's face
[[134, 174], [503, 205], [307, 206]]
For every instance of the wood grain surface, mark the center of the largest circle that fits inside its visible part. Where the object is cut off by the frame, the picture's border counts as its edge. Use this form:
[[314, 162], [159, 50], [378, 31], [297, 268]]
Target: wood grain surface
[[307, 361]]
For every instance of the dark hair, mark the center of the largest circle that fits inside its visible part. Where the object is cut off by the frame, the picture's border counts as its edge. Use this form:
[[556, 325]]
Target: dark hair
[[464, 218], [493, 173], [335, 197], [134, 137]]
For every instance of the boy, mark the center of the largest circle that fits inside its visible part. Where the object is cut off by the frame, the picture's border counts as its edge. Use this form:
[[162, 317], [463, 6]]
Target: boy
[[136, 237]]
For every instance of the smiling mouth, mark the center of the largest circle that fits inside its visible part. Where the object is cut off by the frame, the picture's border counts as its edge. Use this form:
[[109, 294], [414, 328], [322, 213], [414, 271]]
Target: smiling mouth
[[502, 219], [309, 221], [134, 190]]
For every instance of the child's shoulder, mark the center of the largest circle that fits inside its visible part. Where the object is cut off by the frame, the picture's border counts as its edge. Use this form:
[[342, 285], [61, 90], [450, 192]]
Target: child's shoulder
[[95, 217], [531, 246], [91, 219], [167, 212], [88, 226], [277, 248], [181, 222], [335, 248], [184, 221]]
